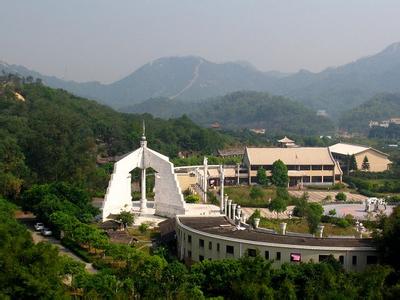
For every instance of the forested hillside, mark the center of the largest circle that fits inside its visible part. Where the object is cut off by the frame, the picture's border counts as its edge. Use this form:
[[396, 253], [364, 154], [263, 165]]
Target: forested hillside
[[50, 135], [278, 115], [379, 108]]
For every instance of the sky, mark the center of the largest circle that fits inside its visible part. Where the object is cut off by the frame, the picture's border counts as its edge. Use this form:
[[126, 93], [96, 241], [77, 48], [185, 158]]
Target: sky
[[105, 40]]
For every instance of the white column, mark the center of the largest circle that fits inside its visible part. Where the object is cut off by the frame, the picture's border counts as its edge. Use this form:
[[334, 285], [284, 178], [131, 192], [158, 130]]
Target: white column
[[143, 200], [205, 179], [239, 212], [238, 174], [234, 211], [229, 209], [226, 205], [222, 179]]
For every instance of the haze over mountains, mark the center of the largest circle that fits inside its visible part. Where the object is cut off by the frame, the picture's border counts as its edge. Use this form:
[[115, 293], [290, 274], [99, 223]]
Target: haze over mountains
[[194, 78]]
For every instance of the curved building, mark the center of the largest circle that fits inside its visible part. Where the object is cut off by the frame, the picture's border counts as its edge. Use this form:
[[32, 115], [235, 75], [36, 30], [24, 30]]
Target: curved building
[[216, 237]]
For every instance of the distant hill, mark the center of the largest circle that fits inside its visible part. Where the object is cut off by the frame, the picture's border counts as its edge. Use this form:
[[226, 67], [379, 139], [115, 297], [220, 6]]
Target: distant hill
[[379, 108], [192, 78], [244, 109]]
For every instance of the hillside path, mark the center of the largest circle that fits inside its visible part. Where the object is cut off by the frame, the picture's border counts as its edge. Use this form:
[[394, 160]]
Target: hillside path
[[191, 82]]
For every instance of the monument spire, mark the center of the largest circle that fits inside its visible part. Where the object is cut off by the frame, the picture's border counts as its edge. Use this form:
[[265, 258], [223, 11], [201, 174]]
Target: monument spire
[[143, 142]]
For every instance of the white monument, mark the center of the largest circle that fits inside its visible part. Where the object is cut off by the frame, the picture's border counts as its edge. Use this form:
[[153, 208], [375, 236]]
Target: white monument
[[168, 200]]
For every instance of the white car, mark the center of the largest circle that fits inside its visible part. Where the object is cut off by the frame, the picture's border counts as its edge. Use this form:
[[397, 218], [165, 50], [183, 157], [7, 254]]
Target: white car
[[46, 232], [39, 226]]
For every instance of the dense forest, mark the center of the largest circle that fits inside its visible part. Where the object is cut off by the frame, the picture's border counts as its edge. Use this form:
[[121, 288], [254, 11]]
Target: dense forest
[[246, 109], [50, 135]]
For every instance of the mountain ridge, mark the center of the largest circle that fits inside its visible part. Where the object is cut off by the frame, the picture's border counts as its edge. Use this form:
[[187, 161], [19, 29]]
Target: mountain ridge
[[335, 89]]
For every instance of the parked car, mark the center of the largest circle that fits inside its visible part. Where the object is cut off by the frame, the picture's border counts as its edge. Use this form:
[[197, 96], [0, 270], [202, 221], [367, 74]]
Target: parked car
[[46, 232], [39, 226]]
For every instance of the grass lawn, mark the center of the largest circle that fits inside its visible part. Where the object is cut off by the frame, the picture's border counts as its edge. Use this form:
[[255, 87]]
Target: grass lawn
[[241, 196], [301, 226]]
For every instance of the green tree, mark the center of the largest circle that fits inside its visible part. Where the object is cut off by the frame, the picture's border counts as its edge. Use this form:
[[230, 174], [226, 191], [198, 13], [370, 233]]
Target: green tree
[[262, 176], [279, 172], [126, 218], [278, 205], [353, 163], [314, 213], [389, 240], [365, 164]]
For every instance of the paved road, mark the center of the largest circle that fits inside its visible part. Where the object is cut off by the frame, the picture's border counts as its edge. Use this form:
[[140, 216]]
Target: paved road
[[319, 196], [28, 220], [37, 238]]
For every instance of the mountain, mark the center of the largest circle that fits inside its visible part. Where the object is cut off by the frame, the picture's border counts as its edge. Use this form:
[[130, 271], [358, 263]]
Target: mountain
[[379, 108], [193, 78], [244, 109]]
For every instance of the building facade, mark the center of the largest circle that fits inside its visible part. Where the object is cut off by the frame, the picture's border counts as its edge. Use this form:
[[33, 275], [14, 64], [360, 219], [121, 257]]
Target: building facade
[[306, 165], [200, 238], [377, 160]]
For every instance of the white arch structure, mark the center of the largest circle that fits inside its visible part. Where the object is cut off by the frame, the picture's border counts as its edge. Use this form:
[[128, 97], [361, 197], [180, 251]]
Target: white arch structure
[[168, 201]]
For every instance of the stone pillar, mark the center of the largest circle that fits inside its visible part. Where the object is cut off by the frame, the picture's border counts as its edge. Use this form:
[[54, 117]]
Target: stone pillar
[[239, 212], [256, 222], [143, 200], [238, 174], [233, 214], [205, 179], [282, 226], [222, 179], [320, 230], [229, 208], [226, 205]]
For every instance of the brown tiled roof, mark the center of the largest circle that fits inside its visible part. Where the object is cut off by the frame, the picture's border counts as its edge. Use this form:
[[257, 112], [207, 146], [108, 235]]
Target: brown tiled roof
[[212, 225]]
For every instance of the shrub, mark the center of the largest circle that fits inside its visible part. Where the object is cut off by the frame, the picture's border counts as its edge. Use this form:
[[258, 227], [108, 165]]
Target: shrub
[[332, 212], [338, 186], [143, 227], [343, 223], [341, 196], [192, 199]]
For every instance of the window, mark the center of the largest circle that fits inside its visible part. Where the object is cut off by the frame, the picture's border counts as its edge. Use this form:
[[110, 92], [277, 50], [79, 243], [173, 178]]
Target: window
[[328, 178], [306, 179], [316, 178], [254, 168], [201, 243], [372, 260], [190, 254], [296, 257], [266, 255], [322, 258], [316, 167], [189, 239], [209, 245], [292, 167], [251, 252], [341, 259], [305, 167], [354, 260], [218, 247], [201, 257], [229, 249], [278, 256], [328, 167]]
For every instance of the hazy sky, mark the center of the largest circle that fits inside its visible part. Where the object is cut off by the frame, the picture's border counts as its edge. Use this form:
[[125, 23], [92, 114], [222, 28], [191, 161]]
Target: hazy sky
[[105, 40]]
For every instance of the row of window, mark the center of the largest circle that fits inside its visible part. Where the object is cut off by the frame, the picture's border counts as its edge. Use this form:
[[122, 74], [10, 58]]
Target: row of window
[[297, 167], [294, 257]]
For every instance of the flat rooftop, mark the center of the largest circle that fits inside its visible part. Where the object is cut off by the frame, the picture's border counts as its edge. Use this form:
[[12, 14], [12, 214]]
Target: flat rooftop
[[221, 226]]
